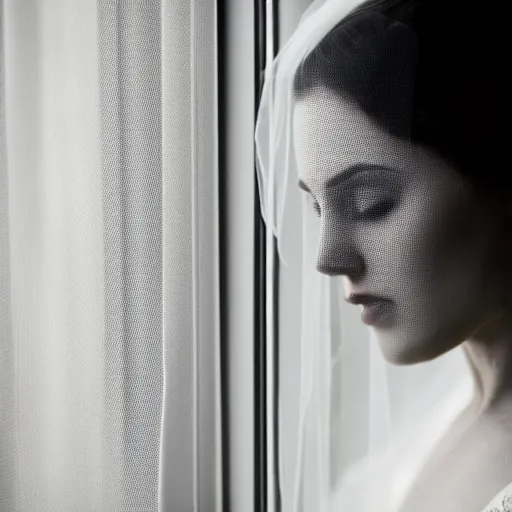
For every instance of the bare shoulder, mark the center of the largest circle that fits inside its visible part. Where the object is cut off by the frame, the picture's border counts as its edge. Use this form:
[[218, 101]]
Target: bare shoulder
[[502, 502]]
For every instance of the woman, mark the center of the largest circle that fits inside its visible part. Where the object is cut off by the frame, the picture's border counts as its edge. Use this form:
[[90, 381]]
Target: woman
[[396, 141]]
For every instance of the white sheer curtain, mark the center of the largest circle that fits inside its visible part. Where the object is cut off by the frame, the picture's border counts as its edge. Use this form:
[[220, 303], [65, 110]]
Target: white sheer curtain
[[108, 257]]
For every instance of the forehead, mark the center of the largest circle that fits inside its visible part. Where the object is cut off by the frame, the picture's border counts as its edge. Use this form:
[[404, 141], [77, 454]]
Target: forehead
[[332, 133]]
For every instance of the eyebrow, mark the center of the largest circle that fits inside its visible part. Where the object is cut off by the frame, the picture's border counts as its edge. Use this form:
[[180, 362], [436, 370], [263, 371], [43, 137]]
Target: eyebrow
[[348, 173]]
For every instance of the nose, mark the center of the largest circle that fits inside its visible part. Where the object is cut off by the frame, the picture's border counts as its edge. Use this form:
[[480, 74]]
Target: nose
[[337, 255]]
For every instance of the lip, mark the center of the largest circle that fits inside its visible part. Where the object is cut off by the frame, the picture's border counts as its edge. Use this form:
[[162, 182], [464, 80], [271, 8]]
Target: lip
[[363, 298], [374, 311]]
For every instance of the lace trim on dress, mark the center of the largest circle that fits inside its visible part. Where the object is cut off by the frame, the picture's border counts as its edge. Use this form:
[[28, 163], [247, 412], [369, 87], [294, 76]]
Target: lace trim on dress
[[502, 502]]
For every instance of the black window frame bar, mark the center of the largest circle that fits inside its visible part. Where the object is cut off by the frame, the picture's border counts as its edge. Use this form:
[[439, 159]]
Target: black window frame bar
[[223, 249], [261, 499], [261, 477]]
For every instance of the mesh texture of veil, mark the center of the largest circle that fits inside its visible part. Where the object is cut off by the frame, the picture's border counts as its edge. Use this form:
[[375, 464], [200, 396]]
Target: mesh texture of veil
[[364, 426]]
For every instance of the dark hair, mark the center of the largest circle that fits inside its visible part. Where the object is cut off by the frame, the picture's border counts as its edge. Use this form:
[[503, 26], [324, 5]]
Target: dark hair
[[423, 70]]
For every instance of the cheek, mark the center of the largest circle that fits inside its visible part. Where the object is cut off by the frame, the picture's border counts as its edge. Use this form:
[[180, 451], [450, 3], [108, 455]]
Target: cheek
[[433, 262], [418, 243], [439, 235]]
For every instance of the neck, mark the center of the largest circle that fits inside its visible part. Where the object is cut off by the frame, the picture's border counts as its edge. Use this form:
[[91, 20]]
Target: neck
[[489, 353]]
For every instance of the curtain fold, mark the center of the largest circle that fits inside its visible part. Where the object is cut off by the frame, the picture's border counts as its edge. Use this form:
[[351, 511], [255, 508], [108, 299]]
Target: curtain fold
[[109, 383]]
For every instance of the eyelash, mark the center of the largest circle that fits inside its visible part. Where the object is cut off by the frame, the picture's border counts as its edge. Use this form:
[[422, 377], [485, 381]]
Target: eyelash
[[317, 209], [379, 210], [375, 212]]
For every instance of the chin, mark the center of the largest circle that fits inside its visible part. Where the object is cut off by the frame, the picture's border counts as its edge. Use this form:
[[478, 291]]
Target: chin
[[403, 352]]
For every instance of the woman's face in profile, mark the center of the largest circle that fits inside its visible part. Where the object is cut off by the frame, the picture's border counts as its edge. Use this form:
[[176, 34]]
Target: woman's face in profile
[[403, 226]]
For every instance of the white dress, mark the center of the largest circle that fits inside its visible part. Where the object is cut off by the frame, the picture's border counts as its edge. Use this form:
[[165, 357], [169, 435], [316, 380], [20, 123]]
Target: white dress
[[502, 502]]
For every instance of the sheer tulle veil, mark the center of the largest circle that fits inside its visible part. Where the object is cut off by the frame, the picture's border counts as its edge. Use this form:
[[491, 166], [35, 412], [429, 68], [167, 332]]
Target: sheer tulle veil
[[364, 425]]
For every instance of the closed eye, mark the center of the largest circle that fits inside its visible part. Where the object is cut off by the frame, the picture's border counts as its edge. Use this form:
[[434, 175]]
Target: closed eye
[[358, 178], [374, 212], [378, 210]]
